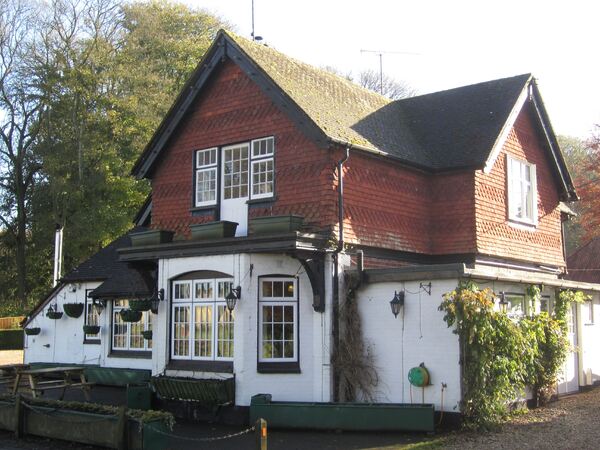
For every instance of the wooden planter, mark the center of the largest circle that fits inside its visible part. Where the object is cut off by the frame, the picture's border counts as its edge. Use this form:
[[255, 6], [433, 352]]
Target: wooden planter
[[34, 331], [275, 224], [151, 237], [140, 305], [73, 310], [54, 315], [147, 335], [213, 230], [91, 329], [129, 315]]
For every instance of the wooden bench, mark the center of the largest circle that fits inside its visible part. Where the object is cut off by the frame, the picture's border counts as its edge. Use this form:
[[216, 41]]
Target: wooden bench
[[38, 382]]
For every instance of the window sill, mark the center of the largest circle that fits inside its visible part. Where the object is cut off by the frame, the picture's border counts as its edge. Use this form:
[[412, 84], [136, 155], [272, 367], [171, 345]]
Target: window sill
[[522, 224], [91, 341], [262, 202], [201, 366], [200, 211], [278, 367], [130, 354]]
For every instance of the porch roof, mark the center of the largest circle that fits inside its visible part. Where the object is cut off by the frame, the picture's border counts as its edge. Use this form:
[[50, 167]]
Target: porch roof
[[293, 242]]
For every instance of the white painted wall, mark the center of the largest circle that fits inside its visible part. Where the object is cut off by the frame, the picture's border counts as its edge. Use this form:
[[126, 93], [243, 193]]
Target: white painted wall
[[589, 350], [61, 341], [312, 384], [417, 335]]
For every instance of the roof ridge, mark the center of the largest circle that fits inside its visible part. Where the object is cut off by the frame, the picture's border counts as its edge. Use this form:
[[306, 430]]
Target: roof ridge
[[320, 70], [473, 85]]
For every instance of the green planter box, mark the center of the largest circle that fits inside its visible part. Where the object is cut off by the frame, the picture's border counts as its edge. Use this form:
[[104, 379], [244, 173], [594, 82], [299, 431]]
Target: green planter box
[[275, 224], [343, 416], [213, 230], [151, 237]]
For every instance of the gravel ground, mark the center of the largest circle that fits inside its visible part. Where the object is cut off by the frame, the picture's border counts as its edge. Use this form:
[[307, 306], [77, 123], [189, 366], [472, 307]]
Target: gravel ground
[[573, 422]]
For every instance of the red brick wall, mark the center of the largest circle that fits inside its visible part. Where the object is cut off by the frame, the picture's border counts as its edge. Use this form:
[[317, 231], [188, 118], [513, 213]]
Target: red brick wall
[[388, 205], [495, 234], [233, 109]]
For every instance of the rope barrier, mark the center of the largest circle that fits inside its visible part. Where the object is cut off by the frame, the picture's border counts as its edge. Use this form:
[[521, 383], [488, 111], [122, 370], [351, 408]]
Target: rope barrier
[[207, 439]]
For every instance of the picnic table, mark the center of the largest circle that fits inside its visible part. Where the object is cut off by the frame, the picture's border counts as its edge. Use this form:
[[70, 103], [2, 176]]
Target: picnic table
[[39, 382], [9, 371]]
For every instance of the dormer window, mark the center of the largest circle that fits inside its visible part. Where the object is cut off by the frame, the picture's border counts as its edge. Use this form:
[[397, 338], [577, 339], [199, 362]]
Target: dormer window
[[206, 177], [522, 191]]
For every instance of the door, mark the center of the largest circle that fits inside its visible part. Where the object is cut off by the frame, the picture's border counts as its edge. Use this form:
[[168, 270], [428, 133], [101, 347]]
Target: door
[[234, 186], [569, 380]]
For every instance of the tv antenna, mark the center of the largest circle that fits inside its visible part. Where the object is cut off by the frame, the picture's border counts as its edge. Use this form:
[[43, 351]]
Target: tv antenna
[[254, 37], [381, 53]]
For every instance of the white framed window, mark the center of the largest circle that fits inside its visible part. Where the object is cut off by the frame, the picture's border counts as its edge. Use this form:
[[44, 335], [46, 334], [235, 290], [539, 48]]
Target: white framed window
[[235, 171], [128, 335], [202, 326], [278, 319], [516, 306], [91, 317], [263, 169], [206, 177], [522, 191], [587, 312], [546, 304]]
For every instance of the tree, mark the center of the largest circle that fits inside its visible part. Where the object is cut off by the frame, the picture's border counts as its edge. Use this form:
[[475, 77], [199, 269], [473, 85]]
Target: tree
[[385, 85], [21, 104], [583, 160]]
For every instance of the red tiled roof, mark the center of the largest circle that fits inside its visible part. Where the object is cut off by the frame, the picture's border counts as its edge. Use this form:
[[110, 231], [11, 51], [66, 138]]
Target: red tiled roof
[[584, 263]]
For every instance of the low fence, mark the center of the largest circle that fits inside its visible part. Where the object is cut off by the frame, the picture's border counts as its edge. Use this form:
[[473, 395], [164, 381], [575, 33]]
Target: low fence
[[11, 339], [11, 323]]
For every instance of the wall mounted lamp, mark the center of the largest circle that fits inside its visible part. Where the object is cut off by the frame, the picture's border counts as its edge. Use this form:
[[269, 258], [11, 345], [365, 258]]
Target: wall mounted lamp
[[503, 302], [234, 295], [397, 303]]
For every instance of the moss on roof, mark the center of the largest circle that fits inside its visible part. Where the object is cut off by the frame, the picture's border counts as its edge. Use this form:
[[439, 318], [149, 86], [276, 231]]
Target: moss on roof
[[334, 103]]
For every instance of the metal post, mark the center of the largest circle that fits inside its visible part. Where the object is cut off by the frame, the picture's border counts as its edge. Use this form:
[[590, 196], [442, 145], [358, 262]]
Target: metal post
[[18, 417], [381, 73], [260, 432]]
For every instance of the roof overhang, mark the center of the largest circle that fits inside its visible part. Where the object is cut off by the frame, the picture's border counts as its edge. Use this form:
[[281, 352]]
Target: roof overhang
[[462, 271], [293, 243], [531, 93]]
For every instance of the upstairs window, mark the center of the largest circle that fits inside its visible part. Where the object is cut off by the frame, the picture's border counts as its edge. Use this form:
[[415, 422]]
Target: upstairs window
[[262, 167], [206, 177], [522, 191]]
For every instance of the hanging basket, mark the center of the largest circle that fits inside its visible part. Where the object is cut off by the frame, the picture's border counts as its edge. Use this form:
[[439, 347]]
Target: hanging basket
[[129, 315], [34, 331], [91, 329], [140, 305], [54, 315], [73, 310], [147, 335]]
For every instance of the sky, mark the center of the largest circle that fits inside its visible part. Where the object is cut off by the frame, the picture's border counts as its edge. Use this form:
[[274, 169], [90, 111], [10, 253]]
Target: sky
[[437, 45]]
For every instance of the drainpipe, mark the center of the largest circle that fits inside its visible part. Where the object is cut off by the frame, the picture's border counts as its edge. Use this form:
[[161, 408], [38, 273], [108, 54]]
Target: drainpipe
[[335, 330], [58, 244]]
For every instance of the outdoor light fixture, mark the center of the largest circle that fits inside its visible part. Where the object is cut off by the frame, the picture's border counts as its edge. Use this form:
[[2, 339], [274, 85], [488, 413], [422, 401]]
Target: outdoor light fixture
[[156, 299], [98, 304], [232, 298], [397, 302], [503, 302]]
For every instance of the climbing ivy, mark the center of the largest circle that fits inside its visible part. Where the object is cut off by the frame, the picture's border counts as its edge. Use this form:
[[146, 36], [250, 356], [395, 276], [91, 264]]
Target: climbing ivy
[[500, 357]]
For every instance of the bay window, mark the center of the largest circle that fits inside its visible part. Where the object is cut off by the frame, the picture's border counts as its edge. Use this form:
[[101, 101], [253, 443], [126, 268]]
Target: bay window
[[202, 326]]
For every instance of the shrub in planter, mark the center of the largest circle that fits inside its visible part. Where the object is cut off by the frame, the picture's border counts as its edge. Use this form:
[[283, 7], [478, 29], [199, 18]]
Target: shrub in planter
[[129, 315], [54, 315], [140, 305], [147, 335], [34, 331], [91, 329], [73, 310]]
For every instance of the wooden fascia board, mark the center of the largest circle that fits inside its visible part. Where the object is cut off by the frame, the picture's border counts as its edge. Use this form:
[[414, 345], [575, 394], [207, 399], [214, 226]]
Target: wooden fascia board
[[224, 47], [508, 124], [559, 161]]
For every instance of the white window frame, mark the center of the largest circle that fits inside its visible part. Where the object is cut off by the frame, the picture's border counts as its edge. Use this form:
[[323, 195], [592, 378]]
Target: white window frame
[[277, 301], [262, 158], [147, 318], [514, 298], [524, 199], [215, 302], [588, 316], [202, 167]]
